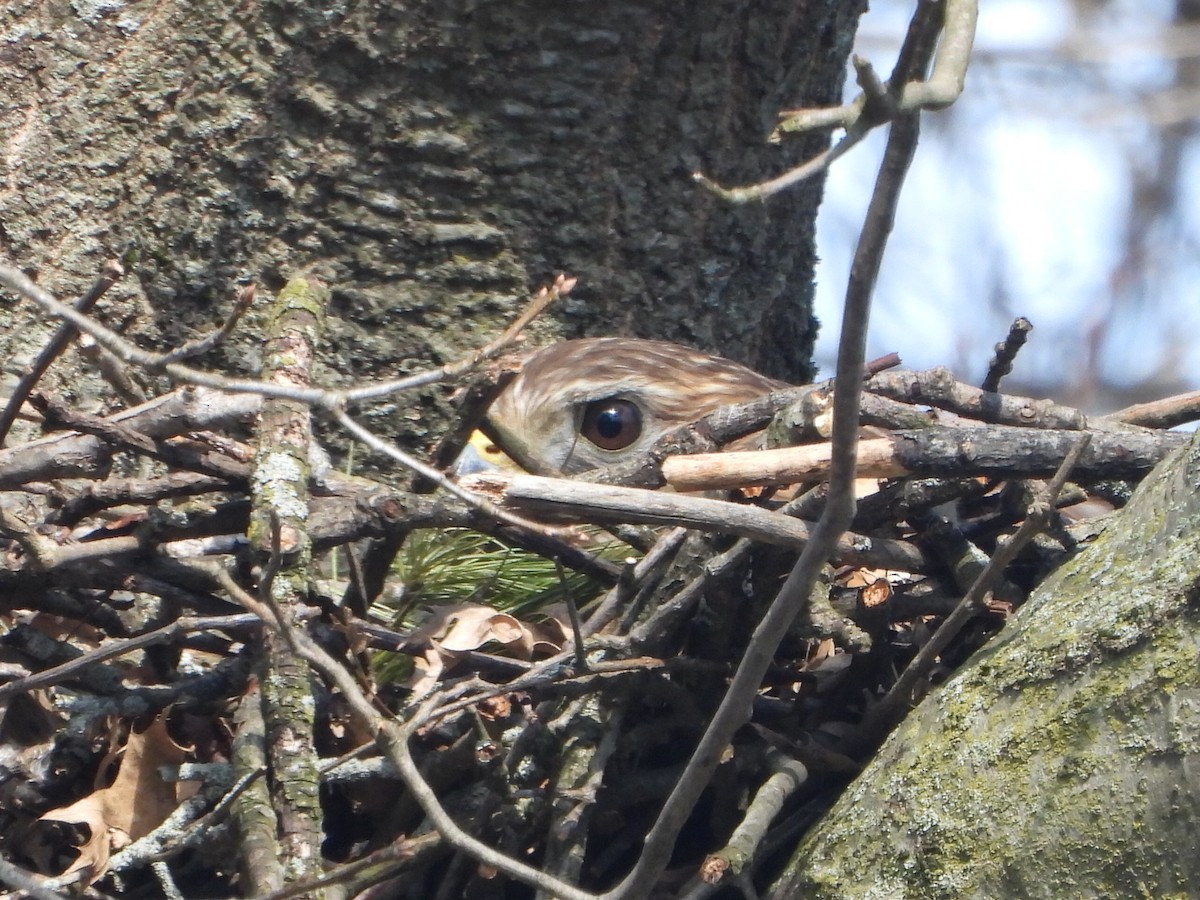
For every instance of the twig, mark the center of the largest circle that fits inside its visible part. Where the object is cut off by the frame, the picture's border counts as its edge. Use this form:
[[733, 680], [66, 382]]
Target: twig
[[839, 510], [884, 716], [392, 739], [787, 776], [73, 455], [634, 578], [92, 497], [938, 387], [880, 103], [996, 451], [563, 498], [679, 604], [58, 414], [27, 882], [206, 342], [169, 838], [256, 819], [41, 552], [881, 364], [1166, 413], [111, 649], [472, 407], [561, 287], [17, 281], [403, 849], [410, 462], [573, 615], [110, 272], [112, 370], [1006, 352], [761, 191]]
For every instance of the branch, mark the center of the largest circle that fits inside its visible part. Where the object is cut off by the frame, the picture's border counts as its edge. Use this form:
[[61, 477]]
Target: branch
[[559, 498], [734, 709], [995, 451], [880, 103], [885, 715], [110, 272]]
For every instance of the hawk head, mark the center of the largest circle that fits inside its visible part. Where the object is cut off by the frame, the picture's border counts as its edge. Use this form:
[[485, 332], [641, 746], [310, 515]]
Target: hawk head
[[578, 405]]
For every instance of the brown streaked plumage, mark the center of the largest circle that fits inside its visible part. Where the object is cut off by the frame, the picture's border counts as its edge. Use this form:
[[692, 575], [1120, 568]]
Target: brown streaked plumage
[[582, 404]]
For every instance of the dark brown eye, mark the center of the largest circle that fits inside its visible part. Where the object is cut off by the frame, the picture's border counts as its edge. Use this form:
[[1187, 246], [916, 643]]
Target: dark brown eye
[[611, 424]]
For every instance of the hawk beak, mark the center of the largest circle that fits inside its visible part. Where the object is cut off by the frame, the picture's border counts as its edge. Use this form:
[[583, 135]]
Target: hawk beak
[[481, 455]]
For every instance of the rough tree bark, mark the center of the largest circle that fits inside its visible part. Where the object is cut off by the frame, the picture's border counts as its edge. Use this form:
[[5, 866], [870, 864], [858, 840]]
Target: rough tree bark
[[432, 161], [435, 160]]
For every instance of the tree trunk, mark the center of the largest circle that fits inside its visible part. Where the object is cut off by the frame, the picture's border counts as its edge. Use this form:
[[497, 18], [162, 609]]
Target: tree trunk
[[432, 161], [1061, 761]]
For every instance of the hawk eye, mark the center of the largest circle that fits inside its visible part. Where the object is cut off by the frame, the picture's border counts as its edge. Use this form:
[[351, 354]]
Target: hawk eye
[[611, 424]]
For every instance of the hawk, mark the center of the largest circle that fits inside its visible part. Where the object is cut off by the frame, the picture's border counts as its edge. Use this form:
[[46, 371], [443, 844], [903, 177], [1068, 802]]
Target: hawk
[[582, 404]]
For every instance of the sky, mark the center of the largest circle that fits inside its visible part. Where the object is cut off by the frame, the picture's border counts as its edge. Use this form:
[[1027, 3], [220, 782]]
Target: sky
[[1021, 201]]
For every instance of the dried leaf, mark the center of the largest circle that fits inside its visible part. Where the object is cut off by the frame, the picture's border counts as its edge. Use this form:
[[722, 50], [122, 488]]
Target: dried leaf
[[470, 626], [135, 804]]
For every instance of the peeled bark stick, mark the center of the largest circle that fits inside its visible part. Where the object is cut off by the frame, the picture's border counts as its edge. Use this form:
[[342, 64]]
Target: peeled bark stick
[[784, 465], [942, 452], [562, 498]]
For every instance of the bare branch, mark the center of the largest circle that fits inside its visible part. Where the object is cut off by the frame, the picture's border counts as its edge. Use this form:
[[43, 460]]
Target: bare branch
[[879, 103], [109, 274]]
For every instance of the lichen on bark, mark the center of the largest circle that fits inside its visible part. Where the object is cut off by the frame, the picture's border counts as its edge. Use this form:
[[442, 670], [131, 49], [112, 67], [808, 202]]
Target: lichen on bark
[[1061, 761]]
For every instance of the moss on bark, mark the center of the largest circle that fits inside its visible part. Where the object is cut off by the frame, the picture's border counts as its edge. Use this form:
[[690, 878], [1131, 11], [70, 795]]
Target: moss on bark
[[1062, 761]]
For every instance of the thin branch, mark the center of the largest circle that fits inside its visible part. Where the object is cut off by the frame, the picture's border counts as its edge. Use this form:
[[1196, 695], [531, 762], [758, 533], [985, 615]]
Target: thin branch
[[937, 451], [906, 93], [578, 500], [27, 882], [787, 776], [1166, 413], [112, 649], [388, 859], [573, 616], [545, 296], [206, 342], [393, 739], [803, 172], [379, 445], [633, 578], [734, 709], [16, 280], [885, 715], [1006, 351], [110, 273]]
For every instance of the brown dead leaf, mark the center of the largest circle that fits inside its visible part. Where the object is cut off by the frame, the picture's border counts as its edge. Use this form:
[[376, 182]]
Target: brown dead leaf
[[470, 626], [826, 661], [552, 631], [135, 804], [860, 577], [427, 670], [473, 626]]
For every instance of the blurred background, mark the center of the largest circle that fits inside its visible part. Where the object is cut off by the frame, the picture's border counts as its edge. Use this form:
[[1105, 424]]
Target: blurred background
[[1064, 186]]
